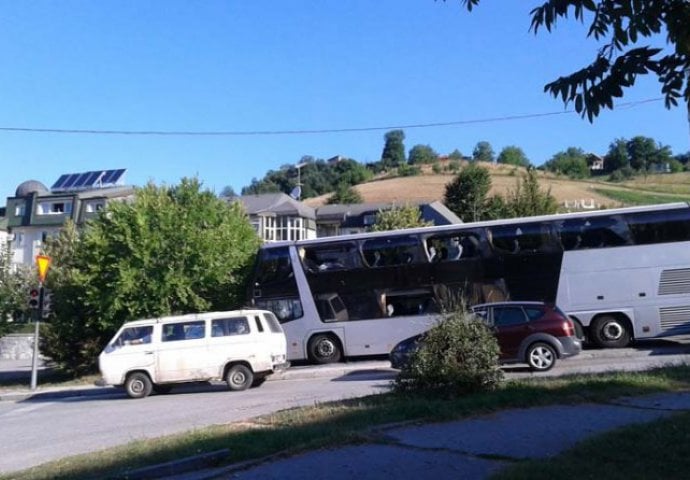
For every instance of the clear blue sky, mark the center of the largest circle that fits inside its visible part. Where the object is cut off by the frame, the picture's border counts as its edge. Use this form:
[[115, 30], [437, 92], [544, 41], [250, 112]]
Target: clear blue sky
[[262, 65]]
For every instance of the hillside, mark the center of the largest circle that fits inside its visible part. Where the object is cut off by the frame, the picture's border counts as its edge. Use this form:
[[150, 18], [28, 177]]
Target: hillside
[[569, 193]]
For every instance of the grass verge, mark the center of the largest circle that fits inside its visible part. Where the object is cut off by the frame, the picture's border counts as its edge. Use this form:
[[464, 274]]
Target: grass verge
[[637, 197], [354, 421], [655, 450]]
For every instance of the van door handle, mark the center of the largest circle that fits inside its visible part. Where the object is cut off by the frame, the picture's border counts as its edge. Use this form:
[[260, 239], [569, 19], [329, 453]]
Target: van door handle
[[148, 353]]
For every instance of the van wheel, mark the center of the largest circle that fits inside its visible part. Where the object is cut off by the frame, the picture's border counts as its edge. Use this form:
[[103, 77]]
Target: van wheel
[[162, 389], [541, 357], [138, 385], [610, 332], [239, 377], [324, 349]]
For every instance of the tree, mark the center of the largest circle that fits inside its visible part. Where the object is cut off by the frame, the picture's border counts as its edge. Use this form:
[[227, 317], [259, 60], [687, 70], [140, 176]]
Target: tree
[[617, 156], [173, 250], [344, 195], [483, 152], [572, 162], [422, 154], [466, 194], [227, 192], [620, 25], [512, 155], [407, 216], [14, 290], [394, 149], [528, 199], [455, 155], [645, 152]]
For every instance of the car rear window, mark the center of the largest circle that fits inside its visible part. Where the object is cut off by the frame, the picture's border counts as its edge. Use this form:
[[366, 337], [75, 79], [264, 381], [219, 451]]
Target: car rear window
[[534, 313]]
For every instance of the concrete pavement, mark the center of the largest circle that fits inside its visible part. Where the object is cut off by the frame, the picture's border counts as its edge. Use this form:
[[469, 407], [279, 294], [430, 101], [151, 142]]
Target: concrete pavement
[[473, 448]]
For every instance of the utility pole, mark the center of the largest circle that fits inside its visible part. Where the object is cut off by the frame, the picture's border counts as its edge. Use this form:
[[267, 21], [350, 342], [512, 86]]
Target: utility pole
[[43, 263]]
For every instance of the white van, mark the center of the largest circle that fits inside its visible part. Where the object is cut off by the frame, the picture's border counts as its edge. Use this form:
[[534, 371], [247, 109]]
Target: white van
[[241, 347]]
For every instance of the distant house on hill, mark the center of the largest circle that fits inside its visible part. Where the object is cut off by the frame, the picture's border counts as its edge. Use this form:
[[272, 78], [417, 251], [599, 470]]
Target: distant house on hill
[[357, 218], [277, 216], [595, 163]]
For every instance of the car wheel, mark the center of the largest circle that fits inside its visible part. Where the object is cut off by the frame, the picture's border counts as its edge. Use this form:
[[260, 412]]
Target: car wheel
[[138, 385], [239, 377], [324, 349], [541, 356], [162, 389], [610, 332]]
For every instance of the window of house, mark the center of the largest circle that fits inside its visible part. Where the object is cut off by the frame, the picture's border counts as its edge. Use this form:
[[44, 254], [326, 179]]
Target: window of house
[[18, 240], [97, 206], [19, 210]]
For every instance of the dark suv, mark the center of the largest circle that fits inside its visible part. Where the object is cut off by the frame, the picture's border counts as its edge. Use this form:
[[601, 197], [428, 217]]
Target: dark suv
[[527, 332]]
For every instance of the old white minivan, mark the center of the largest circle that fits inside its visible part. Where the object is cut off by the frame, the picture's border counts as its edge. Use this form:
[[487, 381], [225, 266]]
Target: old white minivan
[[241, 347]]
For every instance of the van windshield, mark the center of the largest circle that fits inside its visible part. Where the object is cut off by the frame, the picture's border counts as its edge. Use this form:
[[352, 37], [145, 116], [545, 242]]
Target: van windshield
[[134, 336]]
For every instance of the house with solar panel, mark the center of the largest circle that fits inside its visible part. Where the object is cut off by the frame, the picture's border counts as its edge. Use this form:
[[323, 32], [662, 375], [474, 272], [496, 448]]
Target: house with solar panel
[[36, 212]]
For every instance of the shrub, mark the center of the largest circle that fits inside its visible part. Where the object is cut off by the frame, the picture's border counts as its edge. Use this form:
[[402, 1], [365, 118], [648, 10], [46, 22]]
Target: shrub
[[458, 356]]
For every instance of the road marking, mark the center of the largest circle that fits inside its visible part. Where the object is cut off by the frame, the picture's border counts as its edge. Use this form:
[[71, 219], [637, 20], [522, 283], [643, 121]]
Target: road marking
[[27, 409]]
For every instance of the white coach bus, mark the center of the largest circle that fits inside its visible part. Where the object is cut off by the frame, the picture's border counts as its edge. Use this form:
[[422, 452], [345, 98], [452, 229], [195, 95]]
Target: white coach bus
[[621, 274]]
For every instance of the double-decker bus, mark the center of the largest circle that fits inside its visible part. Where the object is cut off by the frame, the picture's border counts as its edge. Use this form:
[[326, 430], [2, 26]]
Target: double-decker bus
[[621, 274]]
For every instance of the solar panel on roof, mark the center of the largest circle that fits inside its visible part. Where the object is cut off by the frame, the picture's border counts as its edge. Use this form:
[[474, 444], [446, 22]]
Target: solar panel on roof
[[59, 182], [81, 180], [113, 176], [86, 180], [73, 177]]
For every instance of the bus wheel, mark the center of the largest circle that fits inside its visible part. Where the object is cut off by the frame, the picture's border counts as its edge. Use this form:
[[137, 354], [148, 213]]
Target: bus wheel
[[239, 377], [609, 331], [138, 385], [541, 357], [324, 349]]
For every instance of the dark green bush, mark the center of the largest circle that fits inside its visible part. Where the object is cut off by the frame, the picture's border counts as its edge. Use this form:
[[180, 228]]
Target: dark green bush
[[458, 356]]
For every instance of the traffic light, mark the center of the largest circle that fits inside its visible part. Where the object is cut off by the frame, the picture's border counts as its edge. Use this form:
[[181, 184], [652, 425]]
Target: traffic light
[[34, 295], [47, 303]]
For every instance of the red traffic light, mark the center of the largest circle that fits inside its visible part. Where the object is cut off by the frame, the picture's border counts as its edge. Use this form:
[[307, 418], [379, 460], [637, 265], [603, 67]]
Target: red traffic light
[[33, 298]]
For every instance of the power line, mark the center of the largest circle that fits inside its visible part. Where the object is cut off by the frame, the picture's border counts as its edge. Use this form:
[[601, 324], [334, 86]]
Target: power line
[[306, 131]]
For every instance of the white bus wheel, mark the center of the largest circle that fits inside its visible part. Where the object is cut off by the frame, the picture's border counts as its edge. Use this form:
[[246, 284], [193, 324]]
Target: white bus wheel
[[324, 348], [610, 332]]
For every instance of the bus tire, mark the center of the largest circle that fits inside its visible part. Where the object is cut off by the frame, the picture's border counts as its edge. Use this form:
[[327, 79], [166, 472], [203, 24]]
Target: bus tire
[[541, 356], [138, 385], [239, 377], [610, 331], [324, 348]]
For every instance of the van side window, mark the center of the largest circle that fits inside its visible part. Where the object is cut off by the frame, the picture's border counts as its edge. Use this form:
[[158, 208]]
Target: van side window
[[224, 327], [259, 325], [184, 331]]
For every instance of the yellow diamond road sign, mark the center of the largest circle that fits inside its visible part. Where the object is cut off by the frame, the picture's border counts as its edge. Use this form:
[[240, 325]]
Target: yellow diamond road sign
[[43, 263]]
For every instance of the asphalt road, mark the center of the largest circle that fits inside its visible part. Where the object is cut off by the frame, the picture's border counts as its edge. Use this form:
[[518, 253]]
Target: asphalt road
[[41, 429]]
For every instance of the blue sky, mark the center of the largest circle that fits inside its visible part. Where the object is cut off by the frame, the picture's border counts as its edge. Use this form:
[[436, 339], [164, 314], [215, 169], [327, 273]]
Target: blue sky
[[239, 66]]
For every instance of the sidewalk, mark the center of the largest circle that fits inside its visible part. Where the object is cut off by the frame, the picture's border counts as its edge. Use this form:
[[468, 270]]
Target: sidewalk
[[473, 448]]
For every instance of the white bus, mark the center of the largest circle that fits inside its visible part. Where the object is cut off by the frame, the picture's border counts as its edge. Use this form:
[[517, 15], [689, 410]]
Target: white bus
[[621, 274]]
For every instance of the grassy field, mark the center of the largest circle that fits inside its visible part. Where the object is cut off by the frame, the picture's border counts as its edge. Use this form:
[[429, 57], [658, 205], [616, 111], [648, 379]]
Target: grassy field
[[360, 420], [429, 187]]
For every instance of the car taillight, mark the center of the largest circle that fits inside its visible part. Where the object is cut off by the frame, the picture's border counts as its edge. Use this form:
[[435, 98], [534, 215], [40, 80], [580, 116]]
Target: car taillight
[[568, 328]]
